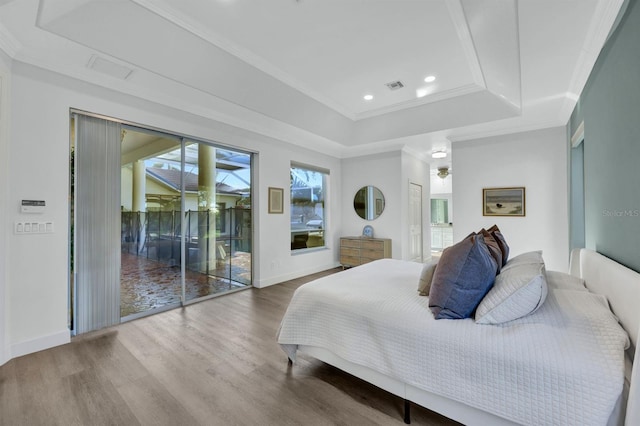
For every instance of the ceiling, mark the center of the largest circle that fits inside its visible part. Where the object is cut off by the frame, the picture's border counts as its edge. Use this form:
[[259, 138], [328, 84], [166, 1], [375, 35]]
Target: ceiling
[[297, 70]]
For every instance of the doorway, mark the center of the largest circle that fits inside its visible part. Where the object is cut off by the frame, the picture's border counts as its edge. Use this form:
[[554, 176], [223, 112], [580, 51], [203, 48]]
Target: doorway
[[415, 223], [183, 212]]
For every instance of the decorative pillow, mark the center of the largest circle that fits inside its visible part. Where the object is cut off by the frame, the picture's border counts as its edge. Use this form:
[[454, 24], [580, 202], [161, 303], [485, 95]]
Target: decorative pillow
[[562, 281], [426, 277], [465, 273], [528, 258], [493, 246], [497, 235], [518, 291]]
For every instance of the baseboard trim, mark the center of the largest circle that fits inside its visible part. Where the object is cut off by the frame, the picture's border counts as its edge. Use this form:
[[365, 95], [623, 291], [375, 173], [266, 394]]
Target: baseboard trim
[[290, 276], [40, 343]]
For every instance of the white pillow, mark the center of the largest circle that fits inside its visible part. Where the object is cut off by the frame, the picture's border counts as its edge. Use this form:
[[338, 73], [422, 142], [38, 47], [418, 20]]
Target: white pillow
[[530, 257], [518, 291], [424, 285]]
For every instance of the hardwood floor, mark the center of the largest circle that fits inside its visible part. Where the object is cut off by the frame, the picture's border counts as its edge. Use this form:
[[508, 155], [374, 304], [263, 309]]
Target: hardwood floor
[[212, 363]]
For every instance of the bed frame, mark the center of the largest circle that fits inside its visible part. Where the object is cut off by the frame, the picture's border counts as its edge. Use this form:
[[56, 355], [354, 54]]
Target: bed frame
[[602, 275]]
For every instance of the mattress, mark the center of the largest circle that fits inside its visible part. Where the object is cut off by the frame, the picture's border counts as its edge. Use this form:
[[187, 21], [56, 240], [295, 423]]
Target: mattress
[[564, 364]]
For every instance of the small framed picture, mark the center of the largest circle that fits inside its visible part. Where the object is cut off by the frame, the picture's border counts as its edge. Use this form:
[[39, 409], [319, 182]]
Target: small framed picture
[[276, 200], [503, 201]]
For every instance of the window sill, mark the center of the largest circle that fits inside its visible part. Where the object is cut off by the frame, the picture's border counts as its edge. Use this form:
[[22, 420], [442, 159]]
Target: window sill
[[308, 250]]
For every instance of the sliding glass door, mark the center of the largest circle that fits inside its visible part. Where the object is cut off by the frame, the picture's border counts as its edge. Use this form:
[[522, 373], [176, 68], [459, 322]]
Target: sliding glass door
[[218, 215], [150, 203], [182, 219]]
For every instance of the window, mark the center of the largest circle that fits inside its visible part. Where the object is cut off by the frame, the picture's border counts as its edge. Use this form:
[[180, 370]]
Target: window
[[308, 190]]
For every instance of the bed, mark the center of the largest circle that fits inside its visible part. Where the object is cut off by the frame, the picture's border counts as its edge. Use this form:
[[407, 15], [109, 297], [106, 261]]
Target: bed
[[570, 362]]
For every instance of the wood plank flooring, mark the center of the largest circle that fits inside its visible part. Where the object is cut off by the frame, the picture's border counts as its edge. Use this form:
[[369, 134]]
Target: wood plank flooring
[[212, 363]]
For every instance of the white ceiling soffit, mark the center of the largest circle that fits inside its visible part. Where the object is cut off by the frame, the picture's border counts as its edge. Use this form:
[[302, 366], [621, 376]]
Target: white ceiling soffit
[[245, 62]]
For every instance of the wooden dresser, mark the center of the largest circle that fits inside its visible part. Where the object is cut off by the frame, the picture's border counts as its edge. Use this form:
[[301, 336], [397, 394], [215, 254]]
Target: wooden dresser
[[355, 251]]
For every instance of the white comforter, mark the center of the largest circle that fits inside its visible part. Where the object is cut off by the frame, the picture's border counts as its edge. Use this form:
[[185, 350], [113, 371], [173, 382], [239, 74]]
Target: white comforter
[[563, 365]]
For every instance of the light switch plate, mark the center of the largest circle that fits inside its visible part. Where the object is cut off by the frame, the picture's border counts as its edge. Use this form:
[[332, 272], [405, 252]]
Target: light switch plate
[[30, 227]]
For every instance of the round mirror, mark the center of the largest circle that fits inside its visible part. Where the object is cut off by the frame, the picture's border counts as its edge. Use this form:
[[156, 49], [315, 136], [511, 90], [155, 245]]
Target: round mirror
[[368, 202]]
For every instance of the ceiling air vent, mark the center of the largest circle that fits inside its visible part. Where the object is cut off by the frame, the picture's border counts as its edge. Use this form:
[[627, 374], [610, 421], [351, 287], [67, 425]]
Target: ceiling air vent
[[395, 85], [105, 66]]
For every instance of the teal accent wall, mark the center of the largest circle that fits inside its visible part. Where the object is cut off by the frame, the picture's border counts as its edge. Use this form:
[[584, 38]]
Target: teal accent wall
[[610, 108]]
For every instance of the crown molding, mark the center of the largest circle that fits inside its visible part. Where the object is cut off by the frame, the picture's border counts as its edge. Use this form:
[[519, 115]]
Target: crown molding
[[436, 97], [578, 135], [420, 155], [8, 43], [456, 11], [600, 28], [506, 130]]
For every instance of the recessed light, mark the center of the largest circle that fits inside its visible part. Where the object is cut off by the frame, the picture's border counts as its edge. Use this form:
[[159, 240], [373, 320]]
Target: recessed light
[[430, 79], [368, 97], [421, 93], [439, 154]]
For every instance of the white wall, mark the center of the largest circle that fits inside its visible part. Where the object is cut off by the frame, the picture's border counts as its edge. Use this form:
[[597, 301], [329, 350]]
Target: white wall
[[382, 171], [5, 84], [391, 173], [277, 263], [439, 185], [36, 271], [536, 160]]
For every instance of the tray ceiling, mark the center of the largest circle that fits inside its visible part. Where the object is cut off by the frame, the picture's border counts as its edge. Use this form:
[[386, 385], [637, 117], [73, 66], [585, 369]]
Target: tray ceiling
[[298, 70]]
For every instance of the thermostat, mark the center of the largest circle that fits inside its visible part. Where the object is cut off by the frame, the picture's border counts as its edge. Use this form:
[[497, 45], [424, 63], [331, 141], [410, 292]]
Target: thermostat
[[32, 206]]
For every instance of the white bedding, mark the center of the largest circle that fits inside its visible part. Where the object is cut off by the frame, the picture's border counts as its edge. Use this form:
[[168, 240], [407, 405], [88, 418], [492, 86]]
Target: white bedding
[[564, 364]]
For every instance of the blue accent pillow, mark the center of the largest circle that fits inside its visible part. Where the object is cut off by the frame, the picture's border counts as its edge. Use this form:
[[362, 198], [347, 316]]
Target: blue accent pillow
[[466, 272]]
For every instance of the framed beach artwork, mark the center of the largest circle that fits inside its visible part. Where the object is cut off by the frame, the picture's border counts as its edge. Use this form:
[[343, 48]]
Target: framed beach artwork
[[503, 201]]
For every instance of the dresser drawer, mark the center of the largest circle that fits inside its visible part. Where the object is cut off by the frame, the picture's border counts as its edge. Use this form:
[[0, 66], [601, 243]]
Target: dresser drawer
[[349, 242], [350, 260], [349, 251], [372, 245], [370, 255], [355, 251]]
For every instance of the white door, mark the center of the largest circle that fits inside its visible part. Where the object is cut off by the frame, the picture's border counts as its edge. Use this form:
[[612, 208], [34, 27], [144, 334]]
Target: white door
[[415, 222]]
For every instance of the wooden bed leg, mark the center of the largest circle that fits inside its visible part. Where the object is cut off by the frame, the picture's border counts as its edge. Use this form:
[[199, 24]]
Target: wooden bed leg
[[407, 412]]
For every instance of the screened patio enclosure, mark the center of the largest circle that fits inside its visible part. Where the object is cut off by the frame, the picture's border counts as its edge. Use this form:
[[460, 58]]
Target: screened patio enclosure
[[206, 196]]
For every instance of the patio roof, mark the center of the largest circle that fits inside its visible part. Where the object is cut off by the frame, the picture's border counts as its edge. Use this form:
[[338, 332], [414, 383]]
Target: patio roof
[[171, 178]]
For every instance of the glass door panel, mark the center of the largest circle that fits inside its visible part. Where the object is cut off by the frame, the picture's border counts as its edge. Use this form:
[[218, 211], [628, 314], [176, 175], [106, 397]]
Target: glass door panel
[[150, 277], [218, 215]]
